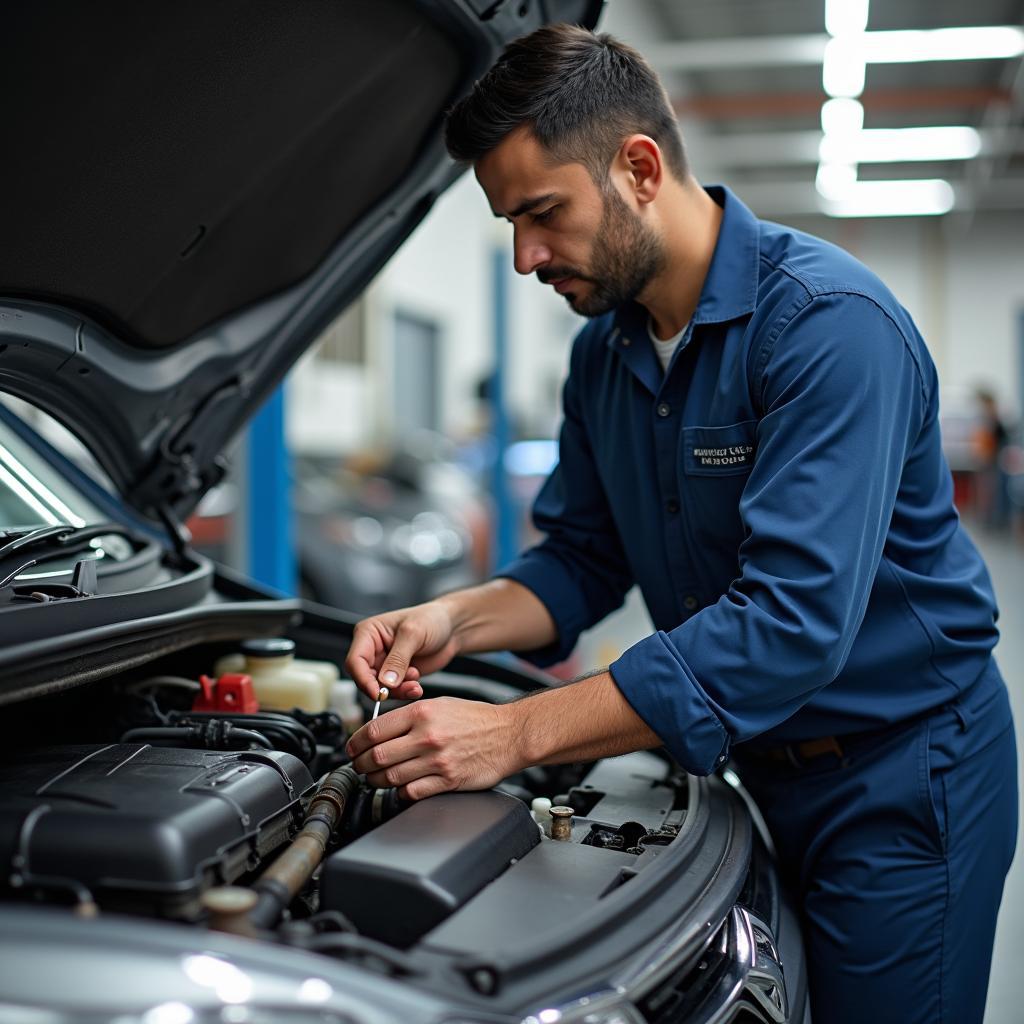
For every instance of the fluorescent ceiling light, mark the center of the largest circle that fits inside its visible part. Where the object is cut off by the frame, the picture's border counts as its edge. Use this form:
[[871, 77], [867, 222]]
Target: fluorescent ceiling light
[[982, 43], [842, 72], [842, 116], [845, 16], [834, 181], [887, 145], [838, 148], [923, 197], [895, 145]]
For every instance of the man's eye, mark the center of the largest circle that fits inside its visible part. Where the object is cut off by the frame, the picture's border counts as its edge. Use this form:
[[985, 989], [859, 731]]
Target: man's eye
[[544, 215]]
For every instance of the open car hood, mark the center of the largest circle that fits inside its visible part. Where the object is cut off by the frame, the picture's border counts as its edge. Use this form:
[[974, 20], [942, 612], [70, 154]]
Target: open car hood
[[192, 192]]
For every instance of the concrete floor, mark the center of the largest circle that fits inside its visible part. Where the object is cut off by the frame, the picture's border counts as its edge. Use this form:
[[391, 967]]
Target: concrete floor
[[1006, 563]]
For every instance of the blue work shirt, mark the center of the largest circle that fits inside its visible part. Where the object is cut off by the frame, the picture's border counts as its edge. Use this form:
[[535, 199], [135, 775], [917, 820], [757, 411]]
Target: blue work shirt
[[779, 495]]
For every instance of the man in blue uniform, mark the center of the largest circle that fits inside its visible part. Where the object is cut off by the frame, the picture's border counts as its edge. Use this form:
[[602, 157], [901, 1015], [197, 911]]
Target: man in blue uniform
[[751, 436]]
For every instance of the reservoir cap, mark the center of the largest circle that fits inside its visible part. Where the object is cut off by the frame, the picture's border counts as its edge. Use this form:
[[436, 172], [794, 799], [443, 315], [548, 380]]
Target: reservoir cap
[[268, 647]]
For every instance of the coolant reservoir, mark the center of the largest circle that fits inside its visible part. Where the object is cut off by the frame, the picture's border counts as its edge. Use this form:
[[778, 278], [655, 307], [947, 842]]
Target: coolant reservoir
[[281, 680], [344, 699]]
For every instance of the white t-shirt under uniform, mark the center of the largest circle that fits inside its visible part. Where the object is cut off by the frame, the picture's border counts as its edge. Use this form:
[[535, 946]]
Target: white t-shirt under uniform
[[664, 349]]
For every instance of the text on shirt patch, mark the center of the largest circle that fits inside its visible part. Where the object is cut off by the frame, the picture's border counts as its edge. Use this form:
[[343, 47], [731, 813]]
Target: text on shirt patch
[[728, 450], [733, 455]]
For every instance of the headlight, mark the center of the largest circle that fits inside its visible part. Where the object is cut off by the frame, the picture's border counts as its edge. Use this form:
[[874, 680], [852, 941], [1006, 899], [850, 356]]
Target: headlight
[[606, 1008]]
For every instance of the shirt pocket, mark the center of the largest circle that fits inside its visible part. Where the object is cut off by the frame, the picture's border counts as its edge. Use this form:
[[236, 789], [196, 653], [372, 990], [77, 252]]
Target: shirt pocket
[[716, 462], [719, 451]]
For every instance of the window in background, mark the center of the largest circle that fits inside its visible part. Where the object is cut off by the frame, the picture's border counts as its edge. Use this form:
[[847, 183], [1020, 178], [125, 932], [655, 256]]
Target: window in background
[[417, 354]]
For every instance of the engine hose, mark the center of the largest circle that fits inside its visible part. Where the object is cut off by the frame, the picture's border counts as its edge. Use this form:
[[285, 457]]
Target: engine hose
[[285, 878], [283, 731], [211, 736]]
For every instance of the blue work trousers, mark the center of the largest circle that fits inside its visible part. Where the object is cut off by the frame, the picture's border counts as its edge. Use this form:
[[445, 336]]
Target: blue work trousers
[[897, 853]]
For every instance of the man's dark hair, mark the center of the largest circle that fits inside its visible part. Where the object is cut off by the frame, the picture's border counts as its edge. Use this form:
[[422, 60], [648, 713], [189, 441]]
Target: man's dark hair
[[579, 93]]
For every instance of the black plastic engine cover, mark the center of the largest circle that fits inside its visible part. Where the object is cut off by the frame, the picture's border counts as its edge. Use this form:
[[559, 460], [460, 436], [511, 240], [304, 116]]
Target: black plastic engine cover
[[409, 874], [140, 827]]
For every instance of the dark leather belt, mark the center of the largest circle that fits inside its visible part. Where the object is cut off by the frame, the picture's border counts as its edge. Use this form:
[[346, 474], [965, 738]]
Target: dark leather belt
[[801, 753], [798, 754]]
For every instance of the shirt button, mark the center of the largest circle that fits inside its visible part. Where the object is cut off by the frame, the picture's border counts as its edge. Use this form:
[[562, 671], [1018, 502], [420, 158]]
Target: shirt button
[[672, 506], [690, 602], [664, 409]]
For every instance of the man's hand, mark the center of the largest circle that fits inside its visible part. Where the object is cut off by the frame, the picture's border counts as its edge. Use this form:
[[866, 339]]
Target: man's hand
[[446, 743], [395, 649], [412, 642], [438, 745]]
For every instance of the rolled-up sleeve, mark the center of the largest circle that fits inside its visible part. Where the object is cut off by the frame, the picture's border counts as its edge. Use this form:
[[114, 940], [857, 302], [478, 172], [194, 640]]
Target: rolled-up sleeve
[[843, 399], [579, 571]]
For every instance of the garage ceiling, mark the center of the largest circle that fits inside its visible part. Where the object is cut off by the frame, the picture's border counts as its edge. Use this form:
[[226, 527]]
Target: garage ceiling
[[746, 79]]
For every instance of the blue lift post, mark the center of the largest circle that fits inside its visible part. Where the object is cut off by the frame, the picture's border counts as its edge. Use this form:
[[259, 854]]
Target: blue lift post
[[270, 535], [505, 543]]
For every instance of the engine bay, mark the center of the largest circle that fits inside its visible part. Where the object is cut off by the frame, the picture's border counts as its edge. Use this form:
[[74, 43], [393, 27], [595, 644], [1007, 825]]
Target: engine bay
[[169, 793]]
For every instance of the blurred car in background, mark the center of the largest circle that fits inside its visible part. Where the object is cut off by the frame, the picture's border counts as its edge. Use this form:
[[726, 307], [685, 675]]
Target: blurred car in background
[[372, 530], [381, 532]]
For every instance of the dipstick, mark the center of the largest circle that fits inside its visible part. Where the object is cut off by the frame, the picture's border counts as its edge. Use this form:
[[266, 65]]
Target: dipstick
[[381, 697]]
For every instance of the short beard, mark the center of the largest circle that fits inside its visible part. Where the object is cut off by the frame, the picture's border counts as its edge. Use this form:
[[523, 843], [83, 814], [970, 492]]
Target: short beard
[[626, 256]]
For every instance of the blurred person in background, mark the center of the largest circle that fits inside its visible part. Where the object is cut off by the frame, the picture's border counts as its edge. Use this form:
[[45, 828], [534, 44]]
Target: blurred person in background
[[991, 439], [750, 434]]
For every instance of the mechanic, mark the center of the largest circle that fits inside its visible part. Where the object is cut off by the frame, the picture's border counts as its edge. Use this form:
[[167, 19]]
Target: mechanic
[[750, 434]]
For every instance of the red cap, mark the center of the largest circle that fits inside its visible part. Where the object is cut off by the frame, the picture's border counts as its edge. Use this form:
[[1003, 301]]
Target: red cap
[[231, 692]]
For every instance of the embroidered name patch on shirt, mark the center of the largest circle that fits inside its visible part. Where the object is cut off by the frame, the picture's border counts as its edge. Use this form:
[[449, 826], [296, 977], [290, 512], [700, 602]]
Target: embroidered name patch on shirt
[[713, 450], [736, 455]]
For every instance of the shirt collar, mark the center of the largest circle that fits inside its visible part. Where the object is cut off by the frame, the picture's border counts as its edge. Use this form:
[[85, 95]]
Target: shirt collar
[[730, 287]]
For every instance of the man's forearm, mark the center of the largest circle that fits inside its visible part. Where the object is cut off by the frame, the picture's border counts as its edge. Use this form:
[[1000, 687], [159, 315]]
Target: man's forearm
[[581, 721], [578, 722], [497, 616]]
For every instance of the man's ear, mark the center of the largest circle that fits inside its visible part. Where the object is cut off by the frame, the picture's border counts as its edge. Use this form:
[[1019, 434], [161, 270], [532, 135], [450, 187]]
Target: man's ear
[[641, 159]]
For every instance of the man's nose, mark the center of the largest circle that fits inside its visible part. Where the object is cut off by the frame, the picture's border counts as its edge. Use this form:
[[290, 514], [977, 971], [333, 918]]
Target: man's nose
[[529, 252]]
